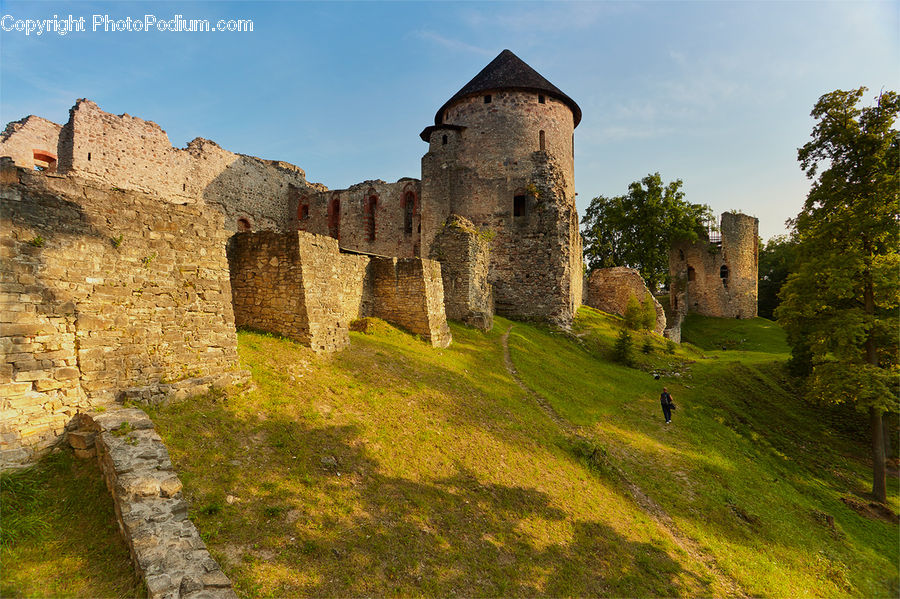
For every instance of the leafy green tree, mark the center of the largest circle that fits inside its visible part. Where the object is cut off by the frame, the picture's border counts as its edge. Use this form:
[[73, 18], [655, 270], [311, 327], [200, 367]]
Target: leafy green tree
[[648, 313], [638, 228], [842, 304], [776, 261], [632, 313]]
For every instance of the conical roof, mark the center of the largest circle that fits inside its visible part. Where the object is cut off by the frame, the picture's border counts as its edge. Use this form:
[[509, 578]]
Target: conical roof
[[508, 71]]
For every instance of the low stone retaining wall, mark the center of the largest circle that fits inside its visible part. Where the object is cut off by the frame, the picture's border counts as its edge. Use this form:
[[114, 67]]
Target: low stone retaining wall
[[165, 546]]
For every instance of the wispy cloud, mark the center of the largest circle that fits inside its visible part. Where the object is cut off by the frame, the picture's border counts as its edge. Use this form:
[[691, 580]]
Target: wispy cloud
[[452, 44]]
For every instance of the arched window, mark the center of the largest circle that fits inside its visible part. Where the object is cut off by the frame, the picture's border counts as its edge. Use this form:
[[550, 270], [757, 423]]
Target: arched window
[[723, 272], [371, 205], [334, 217], [692, 274], [44, 161], [542, 140], [243, 225], [409, 211], [302, 213]]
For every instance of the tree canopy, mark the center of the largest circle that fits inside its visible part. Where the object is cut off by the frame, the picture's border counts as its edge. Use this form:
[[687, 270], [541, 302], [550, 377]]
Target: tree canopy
[[840, 306], [776, 261], [638, 228]]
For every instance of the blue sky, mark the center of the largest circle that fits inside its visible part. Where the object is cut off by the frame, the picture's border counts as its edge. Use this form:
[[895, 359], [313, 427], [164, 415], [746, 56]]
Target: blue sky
[[717, 94]]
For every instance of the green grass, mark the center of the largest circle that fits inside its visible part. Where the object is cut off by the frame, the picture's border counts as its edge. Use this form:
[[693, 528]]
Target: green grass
[[392, 468], [58, 533]]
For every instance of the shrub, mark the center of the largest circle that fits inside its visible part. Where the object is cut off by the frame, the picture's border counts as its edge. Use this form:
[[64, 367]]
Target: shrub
[[648, 313], [623, 349], [633, 314], [647, 346]]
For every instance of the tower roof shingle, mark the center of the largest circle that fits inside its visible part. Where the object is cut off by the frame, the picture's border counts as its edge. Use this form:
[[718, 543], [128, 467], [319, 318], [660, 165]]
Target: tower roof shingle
[[508, 71]]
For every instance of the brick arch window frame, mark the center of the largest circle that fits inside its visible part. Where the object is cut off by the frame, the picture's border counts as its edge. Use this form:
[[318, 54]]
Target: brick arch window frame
[[48, 158], [334, 217], [371, 206], [302, 213], [410, 209]]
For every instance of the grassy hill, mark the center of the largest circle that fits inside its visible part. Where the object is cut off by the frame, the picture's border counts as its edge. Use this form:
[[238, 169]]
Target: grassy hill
[[396, 469], [524, 461]]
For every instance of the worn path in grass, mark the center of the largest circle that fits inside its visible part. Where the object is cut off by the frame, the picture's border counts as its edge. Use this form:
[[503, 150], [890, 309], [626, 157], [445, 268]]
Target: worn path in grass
[[646, 503]]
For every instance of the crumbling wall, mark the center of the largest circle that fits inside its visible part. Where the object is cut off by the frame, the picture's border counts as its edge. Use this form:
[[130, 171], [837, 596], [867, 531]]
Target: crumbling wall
[[372, 217], [507, 166], [32, 135], [718, 278], [409, 292], [609, 289], [104, 295], [302, 286], [165, 546], [464, 255], [133, 154]]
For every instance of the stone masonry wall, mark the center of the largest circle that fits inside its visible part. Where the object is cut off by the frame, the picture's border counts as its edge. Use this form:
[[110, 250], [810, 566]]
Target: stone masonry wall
[[165, 546], [483, 158], [609, 289], [21, 138], [302, 286], [465, 260], [355, 221], [133, 154], [409, 292], [103, 295], [718, 279]]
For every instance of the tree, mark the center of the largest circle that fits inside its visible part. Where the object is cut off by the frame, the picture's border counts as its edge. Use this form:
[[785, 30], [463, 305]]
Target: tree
[[841, 306], [638, 228], [776, 261]]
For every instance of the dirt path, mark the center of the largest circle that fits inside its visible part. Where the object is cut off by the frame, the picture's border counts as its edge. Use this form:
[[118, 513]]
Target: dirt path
[[646, 503]]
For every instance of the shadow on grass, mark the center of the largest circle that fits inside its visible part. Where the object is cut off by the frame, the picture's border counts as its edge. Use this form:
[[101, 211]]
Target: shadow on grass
[[295, 508]]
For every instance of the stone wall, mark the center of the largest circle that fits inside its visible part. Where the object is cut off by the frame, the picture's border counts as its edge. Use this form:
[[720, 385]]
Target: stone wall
[[302, 286], [133, 154], [104, 295], [23, 139], [372, 217], [165, 546], [719, 278], [609, 289], [507, 166], [465, 259], [409, 292]]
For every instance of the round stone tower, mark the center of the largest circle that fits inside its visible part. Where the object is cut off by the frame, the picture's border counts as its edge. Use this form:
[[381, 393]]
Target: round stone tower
[[501, 154]]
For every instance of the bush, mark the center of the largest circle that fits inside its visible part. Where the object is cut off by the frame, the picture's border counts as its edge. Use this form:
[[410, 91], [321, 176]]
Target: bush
[[670, 346], [633, 314], [648, 313], [647, 346], [623, 350]]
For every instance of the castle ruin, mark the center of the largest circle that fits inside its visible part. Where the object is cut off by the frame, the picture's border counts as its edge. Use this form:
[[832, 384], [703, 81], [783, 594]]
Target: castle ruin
[[717, 275], [127, 263]]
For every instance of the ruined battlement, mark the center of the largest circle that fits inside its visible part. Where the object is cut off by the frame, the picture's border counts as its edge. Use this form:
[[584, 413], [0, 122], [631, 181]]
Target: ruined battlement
[[99, 305], [717, 278], [134, 154]]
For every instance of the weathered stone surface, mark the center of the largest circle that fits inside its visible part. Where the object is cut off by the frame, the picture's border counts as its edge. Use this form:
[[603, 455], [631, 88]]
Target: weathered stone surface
[[301, 286], [373, 217], [105, 314], [609, 289], [718, 279], [464, 255], [165, 547], [481, 157]]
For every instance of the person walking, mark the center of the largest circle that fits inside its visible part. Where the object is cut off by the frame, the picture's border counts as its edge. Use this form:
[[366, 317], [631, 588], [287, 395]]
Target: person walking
[[667, 404]]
